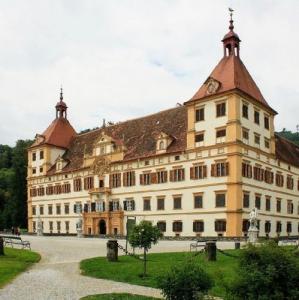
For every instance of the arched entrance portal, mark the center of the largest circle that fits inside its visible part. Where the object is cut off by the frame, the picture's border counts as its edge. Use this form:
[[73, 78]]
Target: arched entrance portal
[[102, 227]]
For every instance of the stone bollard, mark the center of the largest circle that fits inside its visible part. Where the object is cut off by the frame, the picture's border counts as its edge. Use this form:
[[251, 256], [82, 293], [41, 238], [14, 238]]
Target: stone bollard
[[1, 246], [112, 250], [211, 250], [237, 245]]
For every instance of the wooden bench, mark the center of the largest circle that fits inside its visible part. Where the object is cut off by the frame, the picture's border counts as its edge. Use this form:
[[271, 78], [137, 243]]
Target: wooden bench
[[198, 245], [15, 240]]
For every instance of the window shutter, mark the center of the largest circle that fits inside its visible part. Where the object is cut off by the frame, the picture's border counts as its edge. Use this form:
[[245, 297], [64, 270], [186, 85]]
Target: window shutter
[[111, 180], [85, 207], [110, 206], [93, 206], [125, 205], [192, 173], [250, 171], [153, 178], [141, 179], [204, 170], [227, 168], [194, 226], [75, 211], [171, 175], [133, 178], [125, 179], [133, 204], [213, 168], [165, 176]]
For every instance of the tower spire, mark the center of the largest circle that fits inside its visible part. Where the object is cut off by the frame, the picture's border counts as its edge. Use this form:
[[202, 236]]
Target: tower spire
[[61, 94], [231, 41]]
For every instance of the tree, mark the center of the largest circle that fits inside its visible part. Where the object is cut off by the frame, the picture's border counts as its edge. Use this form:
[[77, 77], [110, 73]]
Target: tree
[[143, 236], [186, 281], [266, 272]]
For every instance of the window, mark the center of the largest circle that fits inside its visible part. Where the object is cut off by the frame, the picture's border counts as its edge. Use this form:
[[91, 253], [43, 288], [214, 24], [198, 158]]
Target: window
[[129, 178], [162, 226], [160, 204], [49, 190], [278, 205], [246, 170], [199, 137], [220, 135], [50, 209], [268, 203], [246, 200], [177, 202], [220, 225], [177, 174], [113, 205], [197, 201], [245, 225], [177, 226], [161, 176], [290, 182], [267, 226], [129, 205], [245, 111], [34, 156], [145, 179], [41, 154], [67, 226], [161, 147], [58, 209], [100, 206], [66, 188], [66, 209], [77, 184], [33, 210], [115, 180], [256, 117], [58, 225], [289, 227], [266, 122], [279, 179], [258, 173], [34, 226], [41, 191], [198, 172], [267, 143], [146, 204], [57, 189], [290, 207], [88, 183], [220, 109], [220, 169], [41, 169], [198, 226], [177, 157], [268, 176], [278, 227], [220, 200], [51, 225], [33, 170], [257, 139], [199, 114], [245, 134], [41, 210], [258, 201]]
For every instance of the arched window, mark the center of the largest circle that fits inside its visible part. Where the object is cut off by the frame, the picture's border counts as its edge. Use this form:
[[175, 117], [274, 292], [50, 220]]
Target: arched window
[[161, 145]]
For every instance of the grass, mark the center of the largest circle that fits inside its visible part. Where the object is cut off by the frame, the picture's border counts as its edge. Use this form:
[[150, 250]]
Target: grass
[[14, 262], [129, 269], [117, 297]]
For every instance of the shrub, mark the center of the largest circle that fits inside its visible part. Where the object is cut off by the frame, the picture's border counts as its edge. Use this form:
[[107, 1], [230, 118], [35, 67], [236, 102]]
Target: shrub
[[187, 281], [266, 272]]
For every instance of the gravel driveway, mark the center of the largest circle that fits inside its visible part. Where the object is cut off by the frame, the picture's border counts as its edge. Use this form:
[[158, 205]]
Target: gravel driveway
[[57, 275]]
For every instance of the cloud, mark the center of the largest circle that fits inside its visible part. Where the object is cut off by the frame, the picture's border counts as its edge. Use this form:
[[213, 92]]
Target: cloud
[[121, 59]]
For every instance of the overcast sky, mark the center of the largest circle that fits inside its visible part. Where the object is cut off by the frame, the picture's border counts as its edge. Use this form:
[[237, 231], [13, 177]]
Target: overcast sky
[[122, 59]]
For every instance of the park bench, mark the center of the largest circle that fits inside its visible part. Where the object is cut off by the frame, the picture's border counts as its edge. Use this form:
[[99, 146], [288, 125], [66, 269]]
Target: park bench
[[198, 245], [15, 240]]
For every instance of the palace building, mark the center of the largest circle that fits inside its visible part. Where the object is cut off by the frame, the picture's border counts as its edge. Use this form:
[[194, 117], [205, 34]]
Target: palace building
[[193, 170]]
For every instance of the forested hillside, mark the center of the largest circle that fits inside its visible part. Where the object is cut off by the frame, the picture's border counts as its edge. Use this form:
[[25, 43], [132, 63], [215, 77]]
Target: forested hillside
[[13, 172], [292, 136]]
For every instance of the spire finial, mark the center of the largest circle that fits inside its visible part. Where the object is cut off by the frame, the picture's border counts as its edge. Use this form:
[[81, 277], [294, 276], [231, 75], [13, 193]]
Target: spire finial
[[61, 93], [231, 21]]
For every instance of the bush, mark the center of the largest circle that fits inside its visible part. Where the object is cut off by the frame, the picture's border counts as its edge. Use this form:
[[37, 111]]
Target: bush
[[266, 272], [187, 281]]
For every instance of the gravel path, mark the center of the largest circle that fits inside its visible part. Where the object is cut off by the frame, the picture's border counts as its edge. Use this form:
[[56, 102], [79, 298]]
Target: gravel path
[[57, 275]]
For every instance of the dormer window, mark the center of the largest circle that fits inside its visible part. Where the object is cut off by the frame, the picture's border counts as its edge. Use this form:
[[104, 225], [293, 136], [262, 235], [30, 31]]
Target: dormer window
[[163, 140], [161, 145]]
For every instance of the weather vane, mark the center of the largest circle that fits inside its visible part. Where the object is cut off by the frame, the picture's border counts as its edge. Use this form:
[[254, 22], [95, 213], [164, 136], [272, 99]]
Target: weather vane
[[231, 12]]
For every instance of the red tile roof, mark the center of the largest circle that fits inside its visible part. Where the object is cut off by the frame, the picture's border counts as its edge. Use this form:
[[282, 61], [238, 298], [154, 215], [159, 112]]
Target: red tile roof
[[286, 151], [59, 134], [137, 135], [232, 74]]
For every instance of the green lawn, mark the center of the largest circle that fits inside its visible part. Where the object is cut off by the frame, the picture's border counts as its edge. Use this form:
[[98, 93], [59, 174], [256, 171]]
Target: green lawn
[[117, 297], [14, 262], [128, 269]]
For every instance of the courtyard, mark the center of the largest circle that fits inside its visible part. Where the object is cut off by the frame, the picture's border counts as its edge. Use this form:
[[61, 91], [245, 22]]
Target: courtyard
[[57, 275]]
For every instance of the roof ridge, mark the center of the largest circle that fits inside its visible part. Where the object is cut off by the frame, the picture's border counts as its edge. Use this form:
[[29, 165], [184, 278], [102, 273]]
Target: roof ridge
[[286, 139]]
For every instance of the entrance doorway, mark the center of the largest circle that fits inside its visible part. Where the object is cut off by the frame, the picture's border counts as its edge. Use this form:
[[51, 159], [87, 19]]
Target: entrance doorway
[[102, 227]]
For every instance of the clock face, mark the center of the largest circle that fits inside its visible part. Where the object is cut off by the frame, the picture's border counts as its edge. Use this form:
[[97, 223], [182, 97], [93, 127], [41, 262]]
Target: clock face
[[213, 86]]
